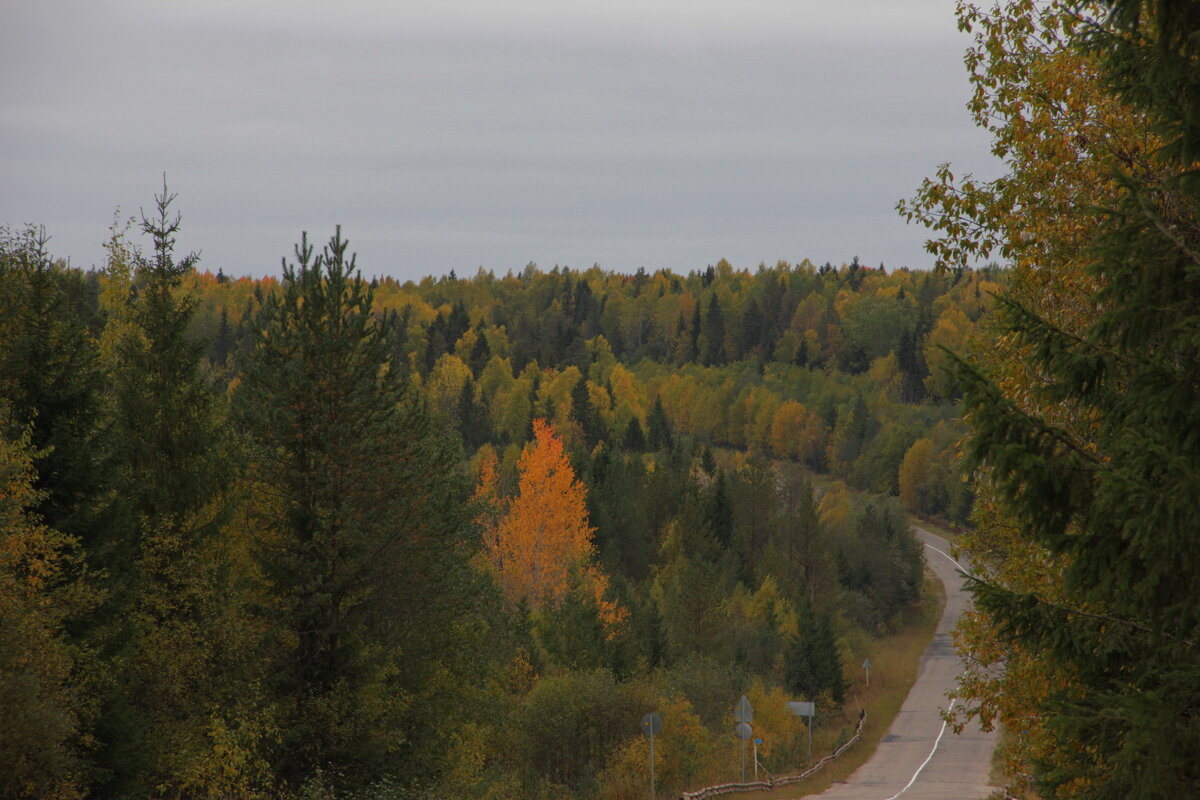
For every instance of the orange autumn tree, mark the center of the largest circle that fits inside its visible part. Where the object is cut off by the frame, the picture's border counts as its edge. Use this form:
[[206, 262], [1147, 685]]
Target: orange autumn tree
[[540, 539]]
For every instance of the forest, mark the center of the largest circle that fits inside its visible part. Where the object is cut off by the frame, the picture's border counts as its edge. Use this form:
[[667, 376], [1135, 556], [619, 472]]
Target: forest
[[327, 534], [321, 533]]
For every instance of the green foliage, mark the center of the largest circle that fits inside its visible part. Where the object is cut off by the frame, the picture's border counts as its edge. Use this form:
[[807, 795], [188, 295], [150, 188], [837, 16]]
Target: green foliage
[[41, 692], [165, 624], [814, 665], [52, 377], [571, 725], [365, 542], [1103, 470], [295, 601], [879, 564]]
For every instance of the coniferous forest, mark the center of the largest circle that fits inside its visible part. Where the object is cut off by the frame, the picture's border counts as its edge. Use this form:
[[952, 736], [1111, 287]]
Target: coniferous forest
[[327, 534]]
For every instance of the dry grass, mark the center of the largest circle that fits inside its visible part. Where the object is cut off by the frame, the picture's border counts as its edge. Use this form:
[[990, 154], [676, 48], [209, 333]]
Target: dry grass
[[895, 662]]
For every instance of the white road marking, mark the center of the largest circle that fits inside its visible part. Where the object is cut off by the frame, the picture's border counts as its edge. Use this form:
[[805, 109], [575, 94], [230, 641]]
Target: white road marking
[[947, 555], [929, 757], [938, 740]]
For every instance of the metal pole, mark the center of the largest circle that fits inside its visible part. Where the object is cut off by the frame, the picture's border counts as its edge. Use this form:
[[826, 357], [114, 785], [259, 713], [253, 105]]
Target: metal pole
[[756, 759], [653, 793], [743, 760], [810, 738]]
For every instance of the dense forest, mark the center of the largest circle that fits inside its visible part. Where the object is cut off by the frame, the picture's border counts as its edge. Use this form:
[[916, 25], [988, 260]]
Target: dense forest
[[319, 533]]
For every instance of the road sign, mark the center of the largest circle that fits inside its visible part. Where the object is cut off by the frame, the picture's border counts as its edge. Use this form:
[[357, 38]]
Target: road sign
[[743, 711], [652, 726], [744, 732], [802, 709]]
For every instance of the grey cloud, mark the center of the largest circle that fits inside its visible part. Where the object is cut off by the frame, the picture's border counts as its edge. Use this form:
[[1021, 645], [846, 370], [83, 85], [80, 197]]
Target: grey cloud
[[441, 150]]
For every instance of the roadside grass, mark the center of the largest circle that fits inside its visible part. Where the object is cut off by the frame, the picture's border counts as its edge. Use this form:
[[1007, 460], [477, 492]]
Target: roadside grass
[[895, 661]]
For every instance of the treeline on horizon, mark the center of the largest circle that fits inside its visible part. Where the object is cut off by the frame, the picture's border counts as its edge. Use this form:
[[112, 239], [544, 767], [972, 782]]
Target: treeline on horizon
[[838, 369], [271, 538]]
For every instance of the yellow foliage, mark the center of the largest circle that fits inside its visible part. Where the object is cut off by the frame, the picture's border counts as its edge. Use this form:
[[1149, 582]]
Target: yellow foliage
[[543, 532], [836, 507], [915, 474], [788, 430], [682, 757], [446, 381]]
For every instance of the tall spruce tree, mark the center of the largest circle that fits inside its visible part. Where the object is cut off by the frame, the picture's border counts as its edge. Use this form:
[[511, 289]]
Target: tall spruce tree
[[165, 609], [1107, 481], [364, 562], [50, 373]]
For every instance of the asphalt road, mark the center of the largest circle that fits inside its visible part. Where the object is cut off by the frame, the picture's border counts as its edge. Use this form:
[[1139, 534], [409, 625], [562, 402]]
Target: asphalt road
[[920, 758]]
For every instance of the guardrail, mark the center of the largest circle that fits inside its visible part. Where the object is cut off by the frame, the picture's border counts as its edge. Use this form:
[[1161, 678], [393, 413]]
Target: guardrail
[[767, 785]]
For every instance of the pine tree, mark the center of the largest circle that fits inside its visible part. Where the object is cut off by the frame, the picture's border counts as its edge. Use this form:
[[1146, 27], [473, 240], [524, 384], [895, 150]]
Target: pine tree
[[364, 501]]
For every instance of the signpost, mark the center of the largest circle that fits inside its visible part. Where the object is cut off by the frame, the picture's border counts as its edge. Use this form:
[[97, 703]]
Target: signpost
[[744, 732], [757, 742], [743, 712], [867, 667], [805, 709], [651, 725]]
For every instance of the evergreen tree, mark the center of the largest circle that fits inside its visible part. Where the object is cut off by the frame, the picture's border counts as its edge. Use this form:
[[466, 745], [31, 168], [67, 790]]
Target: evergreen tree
[[913, 369], [752, 328], [365, 578], [813, 664], [436, 344], [585, 414], [634, 439], [473, 423], [457, 324], [167, 607], [481, 352], [1105, 472], [659, 433], [719, 511], [54, 382], [224, 343], [714, 333]]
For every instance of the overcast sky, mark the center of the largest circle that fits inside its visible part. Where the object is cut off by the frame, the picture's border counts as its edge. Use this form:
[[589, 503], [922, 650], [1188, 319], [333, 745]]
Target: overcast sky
[[455, 134]]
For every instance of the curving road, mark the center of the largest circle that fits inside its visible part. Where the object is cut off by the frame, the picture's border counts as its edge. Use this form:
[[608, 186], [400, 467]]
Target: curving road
[[920, 758]]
